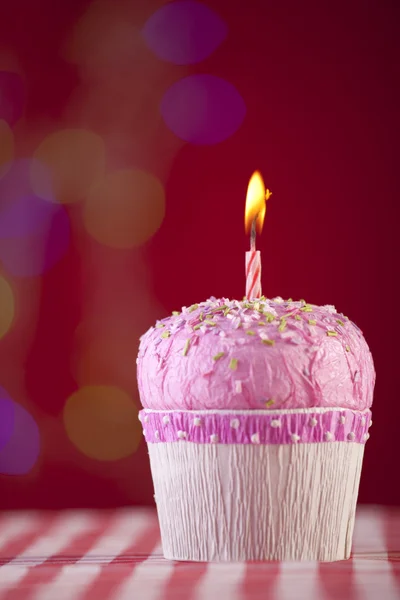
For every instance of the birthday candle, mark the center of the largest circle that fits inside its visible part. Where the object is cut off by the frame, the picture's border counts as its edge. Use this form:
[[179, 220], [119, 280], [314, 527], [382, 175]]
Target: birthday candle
[[253, 222]]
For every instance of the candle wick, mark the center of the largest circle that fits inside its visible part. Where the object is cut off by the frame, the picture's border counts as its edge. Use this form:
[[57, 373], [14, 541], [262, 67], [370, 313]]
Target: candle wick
[[253, 234]]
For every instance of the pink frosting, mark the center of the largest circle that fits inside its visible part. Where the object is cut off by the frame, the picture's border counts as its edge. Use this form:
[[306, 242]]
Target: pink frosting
[[226, 354]]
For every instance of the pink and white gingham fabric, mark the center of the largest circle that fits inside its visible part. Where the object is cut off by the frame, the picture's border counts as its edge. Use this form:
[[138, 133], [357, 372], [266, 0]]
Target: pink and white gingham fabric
[[116, 555]]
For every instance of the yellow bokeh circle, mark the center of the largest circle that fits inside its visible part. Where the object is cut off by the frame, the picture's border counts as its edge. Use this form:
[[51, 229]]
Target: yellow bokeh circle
[[125, 208], [6, 147], [7, 307], [75, 159], [102, 422]]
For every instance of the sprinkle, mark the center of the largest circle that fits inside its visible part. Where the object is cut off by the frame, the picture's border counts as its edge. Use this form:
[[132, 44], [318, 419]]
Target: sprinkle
[[165, 334], [312, 322], [307, 308], [219, 355], [332, 333], [219, 309], [290, 300], [201, 317], [193, 307], [270, 317], [186, 347], [297, 317], [340, 322], [347, 348], [250, 332], [269, 402], [211, 323], [261, 323], [226, 311], [269, 342], [233, 364], [175, 313], [283, 324], [238, 387], [159, 325], [196, 327], [303, 301]]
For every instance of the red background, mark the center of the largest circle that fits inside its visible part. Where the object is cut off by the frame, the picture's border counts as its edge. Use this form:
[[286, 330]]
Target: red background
[[318, 80]]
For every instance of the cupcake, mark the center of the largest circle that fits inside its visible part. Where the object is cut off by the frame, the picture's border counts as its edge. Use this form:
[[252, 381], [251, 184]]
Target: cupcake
[[255, 414]]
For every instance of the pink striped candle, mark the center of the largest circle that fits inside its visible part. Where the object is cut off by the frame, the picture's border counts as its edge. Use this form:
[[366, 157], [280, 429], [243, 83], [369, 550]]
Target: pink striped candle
[[253, 274], [253, 222]]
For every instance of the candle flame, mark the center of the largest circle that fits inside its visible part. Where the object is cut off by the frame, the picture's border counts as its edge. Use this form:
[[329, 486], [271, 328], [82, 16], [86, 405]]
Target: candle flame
[[256, 206]]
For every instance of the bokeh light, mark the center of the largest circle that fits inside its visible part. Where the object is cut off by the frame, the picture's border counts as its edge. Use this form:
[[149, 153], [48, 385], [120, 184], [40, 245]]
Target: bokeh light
[[7, 417], [184, 32], [75, 159], [12, 96], [125, 208], [36, 254], [21, 450], [6, 147], [102, 422], [34, 233], [203, 109], [7, 308]]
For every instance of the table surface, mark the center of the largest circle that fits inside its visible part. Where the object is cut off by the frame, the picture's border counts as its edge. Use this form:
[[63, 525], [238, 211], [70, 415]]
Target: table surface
[[102, 555]]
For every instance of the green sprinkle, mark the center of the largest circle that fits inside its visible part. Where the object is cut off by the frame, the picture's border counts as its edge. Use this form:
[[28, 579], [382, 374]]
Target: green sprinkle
[[332, 333], [269, 342], [307, 308], [250, 332], [226, 311], [244, 298], [289, 314], [283, 324], [312, 322], [196, 327], [297, 317], [219, 355], [175, 313], [219, 309], [347, 348], [269, 402], [201, 316], [210, 322], [165, 334], [302, 300], [186, 347], [340, 322], [233, 364], [269, 316], [159, 325], [290, 299], [261, 323], [193, 307]]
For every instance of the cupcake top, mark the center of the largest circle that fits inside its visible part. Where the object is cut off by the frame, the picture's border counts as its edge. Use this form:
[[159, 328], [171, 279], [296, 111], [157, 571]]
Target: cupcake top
[[255, 354]]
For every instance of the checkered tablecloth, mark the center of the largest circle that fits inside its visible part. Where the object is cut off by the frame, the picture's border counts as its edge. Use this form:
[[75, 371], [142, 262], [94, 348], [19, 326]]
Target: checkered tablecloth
[[97, 555]]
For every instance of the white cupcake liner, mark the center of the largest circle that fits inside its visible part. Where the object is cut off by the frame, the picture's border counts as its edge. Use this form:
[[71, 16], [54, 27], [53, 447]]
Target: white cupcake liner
[[258, 501]]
